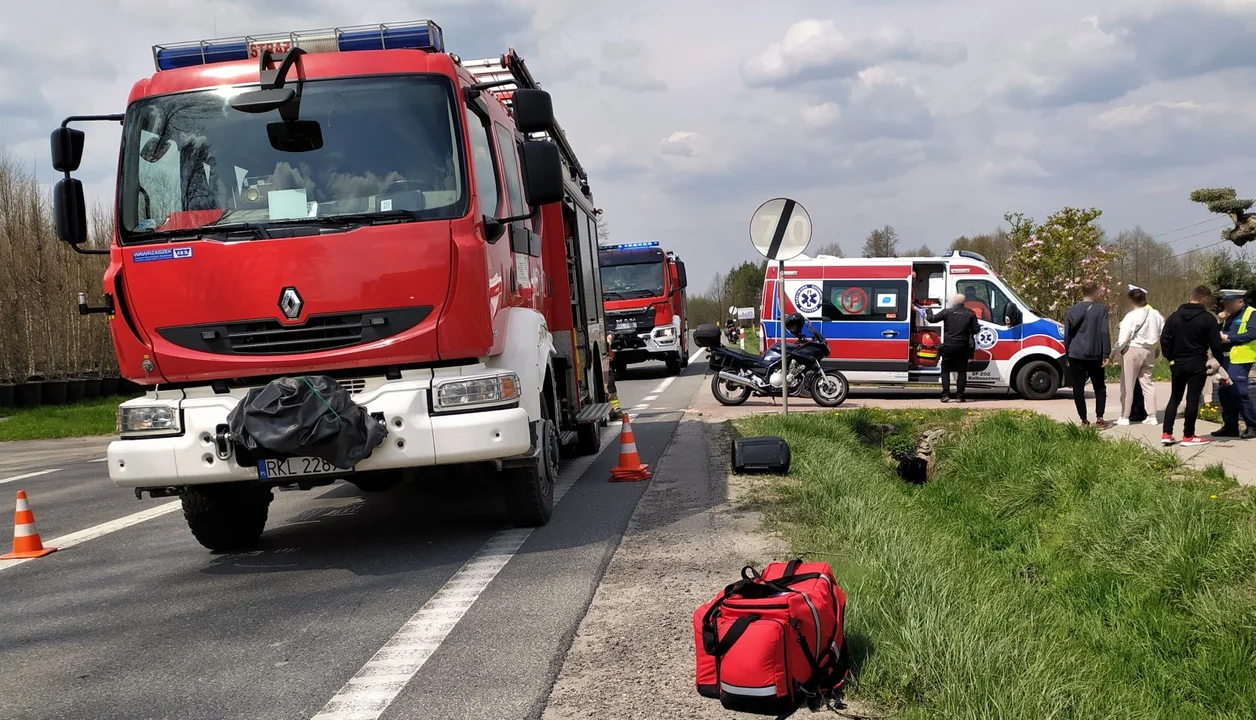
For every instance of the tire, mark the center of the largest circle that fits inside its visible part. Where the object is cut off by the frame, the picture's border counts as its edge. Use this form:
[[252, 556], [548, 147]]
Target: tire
[[673, 365], [228, 517], [720, 389], [830, 389], [618, 369], [589, 438], [1038, 380], [530, 489]]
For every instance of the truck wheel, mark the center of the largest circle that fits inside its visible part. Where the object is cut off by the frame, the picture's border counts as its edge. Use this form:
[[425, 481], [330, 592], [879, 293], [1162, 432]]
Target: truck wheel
[[588, 438], [226, 517], [1038, 380], [618, 369], [530, 489], [673, 365]]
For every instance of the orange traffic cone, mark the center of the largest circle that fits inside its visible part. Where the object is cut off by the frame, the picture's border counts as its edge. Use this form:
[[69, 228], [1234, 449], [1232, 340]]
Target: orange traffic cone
[[630, 468], [26, 542]]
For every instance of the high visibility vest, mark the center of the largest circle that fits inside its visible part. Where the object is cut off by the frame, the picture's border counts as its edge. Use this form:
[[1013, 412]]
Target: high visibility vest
[[1245, 353]]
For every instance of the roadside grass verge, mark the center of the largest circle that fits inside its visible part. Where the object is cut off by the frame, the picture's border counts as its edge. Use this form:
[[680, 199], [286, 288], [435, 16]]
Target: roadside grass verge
[[1044, 572], [94, 417], [1159, 372]]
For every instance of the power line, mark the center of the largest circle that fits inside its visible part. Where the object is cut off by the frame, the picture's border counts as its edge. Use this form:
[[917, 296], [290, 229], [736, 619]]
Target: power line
[[1184, 227], [1201, 232]]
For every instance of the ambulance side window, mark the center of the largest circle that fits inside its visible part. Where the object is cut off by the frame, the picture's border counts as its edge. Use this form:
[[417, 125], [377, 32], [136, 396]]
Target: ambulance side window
[[875, 300], [988, 294]]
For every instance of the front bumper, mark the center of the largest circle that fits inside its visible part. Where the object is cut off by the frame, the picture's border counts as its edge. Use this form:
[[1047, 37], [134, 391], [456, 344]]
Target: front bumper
[[416, 437]]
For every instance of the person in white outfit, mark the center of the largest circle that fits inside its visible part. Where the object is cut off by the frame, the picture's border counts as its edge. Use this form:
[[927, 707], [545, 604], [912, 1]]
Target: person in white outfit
[[1136, 342]]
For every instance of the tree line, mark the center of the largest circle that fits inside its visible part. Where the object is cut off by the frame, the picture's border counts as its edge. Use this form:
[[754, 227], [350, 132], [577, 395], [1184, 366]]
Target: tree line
[[42, 336]]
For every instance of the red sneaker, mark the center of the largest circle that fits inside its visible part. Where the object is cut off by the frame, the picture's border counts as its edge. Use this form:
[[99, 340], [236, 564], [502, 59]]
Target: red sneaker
[[1167, 439], [1195, 440]]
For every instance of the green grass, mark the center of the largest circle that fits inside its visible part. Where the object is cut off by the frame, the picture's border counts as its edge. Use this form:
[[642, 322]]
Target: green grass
[[1044, 572], [752, 340], [94, 417]]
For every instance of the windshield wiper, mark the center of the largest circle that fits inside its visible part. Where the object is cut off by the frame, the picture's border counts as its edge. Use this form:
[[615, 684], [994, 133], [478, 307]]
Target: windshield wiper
[[196, 233], [608, 293], [366, 218]]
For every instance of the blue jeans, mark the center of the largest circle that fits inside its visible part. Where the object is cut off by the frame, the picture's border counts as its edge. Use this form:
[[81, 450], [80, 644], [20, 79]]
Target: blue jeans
[[1236, 401]]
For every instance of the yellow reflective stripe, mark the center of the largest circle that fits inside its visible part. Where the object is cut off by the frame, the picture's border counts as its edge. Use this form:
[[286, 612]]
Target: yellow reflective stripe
[[1247, 314]]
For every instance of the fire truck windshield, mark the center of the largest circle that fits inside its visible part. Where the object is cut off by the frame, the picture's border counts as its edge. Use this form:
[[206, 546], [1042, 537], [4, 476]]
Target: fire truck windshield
[[389, 145], [621, 282]]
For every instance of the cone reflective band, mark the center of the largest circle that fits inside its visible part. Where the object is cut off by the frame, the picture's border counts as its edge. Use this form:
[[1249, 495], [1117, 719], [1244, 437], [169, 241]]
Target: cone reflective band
[[630, 468], [26, 542]]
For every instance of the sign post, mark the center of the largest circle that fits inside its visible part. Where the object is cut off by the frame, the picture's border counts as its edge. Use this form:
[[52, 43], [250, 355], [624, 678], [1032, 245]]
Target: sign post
[[780, 230]]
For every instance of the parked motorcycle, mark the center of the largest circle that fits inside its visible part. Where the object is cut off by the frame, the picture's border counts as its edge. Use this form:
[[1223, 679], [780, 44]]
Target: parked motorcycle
[[732, 332], [740, 375]]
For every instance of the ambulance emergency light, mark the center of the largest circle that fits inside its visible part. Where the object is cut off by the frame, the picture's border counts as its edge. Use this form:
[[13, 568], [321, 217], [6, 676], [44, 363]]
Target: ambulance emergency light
[[417, 35], [631, 246]]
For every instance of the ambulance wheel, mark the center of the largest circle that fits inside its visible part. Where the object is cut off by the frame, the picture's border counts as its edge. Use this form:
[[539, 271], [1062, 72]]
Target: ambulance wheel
[[1038, 380], [226, 517], [727, 393], [530, 489], [830, 389]]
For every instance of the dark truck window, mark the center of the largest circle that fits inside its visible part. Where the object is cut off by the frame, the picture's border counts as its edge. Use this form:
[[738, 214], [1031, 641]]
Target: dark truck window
[[641, 279], [190, 160], [878, 300]]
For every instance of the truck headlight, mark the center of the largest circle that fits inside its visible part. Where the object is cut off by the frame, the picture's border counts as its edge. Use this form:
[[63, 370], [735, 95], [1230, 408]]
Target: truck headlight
[[148, 421], [471, 393], [665, 332]]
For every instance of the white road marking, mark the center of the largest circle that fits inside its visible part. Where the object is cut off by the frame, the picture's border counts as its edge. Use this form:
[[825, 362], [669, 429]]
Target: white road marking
[[104, 459], [374, 687], [78, 538], [650, 397], [696, 355], [658, 389], [37, 473], [640, 407]]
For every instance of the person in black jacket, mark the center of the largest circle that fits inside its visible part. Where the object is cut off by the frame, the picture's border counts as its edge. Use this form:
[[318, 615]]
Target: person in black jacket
[[1189, 334], [959, 329], [1088, 343]]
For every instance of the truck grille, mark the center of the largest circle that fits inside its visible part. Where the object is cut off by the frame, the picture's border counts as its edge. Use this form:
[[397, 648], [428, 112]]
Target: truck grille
[[316, 334]]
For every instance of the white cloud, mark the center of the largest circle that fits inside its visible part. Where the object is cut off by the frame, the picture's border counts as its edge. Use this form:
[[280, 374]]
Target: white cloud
[[1124, 116], [817, 50], [821, 115]]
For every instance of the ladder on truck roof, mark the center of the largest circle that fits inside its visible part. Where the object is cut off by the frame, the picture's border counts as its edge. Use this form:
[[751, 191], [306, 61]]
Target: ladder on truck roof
[[508, 73]]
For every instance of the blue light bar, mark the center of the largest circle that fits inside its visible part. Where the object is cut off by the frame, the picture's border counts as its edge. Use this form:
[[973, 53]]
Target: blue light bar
[[631, 246], [419, 35]]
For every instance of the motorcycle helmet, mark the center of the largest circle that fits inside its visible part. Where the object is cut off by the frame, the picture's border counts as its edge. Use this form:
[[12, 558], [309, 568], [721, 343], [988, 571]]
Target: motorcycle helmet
[[794, 323]]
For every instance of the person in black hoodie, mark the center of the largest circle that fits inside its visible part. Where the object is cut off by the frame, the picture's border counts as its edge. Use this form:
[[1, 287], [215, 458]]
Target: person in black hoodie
[[1189, 334], [959, 329], [1088, 343]]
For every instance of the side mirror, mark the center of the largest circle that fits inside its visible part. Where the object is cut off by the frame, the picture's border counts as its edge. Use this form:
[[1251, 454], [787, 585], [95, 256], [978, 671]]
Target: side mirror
[[533, 110], [67, 149], [1014, 315], [542, 173], [682, 281], [69, 211]]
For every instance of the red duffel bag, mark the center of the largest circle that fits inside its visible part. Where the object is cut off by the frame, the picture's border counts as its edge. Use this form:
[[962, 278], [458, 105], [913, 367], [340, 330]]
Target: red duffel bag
[[771, 641]]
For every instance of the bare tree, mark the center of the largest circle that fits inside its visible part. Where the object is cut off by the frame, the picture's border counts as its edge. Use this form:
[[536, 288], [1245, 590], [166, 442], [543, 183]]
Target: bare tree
[[832, 249], [881, 243]]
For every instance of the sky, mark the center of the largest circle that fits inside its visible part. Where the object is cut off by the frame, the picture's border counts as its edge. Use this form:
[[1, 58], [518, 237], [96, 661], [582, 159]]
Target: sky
[[934, 116]]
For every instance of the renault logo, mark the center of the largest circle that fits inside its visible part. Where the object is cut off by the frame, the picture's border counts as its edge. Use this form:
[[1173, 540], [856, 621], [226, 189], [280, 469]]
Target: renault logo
[[290, 303]]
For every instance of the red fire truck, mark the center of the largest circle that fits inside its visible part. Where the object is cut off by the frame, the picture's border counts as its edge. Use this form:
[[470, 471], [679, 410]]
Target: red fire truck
[[355, 203], [643, 289]]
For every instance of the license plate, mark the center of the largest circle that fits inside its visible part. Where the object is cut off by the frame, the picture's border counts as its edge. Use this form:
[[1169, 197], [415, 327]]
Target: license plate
[[295, 467], [626, 325]]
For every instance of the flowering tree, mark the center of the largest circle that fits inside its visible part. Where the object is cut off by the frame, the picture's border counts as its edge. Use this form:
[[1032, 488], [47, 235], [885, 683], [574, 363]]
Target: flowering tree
[[1052, 261]]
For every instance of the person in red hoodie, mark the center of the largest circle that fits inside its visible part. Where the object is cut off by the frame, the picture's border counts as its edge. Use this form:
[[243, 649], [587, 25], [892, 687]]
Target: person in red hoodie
[[1189, 335]]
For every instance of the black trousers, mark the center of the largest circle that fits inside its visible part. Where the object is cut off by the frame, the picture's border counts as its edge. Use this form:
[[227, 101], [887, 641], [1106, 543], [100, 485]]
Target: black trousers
[[1091, 371], [1188, 382], [954, 360]]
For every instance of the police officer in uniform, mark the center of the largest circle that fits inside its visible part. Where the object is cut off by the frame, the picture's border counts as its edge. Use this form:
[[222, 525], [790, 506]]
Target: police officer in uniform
[[1238, 335]]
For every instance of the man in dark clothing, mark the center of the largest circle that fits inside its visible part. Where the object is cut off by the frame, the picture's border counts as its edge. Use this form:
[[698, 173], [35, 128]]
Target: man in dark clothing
[[959, 328], [1189, 334], [1088, 343]]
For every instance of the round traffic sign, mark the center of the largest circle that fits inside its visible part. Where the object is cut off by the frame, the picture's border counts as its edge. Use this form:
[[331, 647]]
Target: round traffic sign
[[780, 229], [854, 301]]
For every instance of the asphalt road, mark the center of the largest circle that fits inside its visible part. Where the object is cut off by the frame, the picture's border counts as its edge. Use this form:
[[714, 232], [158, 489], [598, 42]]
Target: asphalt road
[[418, 602]]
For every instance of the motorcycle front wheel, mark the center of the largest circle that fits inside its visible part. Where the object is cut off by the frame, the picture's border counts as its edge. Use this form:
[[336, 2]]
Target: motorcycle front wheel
[[830, 389], [727, 393]]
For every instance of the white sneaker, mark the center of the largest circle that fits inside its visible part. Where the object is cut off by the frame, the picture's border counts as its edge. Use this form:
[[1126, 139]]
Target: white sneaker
[[1151, 420], [1123, 421]]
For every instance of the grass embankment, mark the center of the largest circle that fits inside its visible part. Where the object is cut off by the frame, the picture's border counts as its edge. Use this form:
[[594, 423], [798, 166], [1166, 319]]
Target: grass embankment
[[1159, 373], [1043, 573], [94, 417]]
